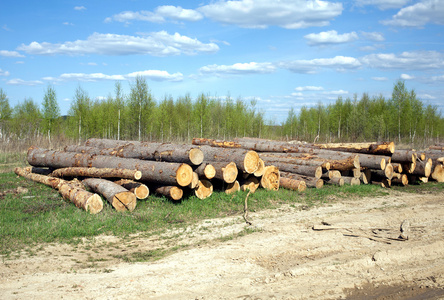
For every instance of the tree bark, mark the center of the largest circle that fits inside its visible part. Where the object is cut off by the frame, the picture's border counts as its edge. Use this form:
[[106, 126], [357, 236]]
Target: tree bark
[[204, 189], [97, 172], [404, 156], [423, 168], [377, 162], [137, 188], [270, 179], [311, 171], [119, 197], [172, 192], [80, 197], [309, 181], [246, 160], [335, 181], [152, 171], [271, 158], [385, 148], [292, 184]]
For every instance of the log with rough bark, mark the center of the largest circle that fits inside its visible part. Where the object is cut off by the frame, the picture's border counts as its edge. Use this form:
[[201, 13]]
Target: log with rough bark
[[270, 179], [245, 160], [172, 192], [335, 181], [271, 158], [152, 171], [80, 197], [119, 197], [311, 171], [400, 179], [204, 189], [251, 184], [148, 151], [226, 171], [137, 188], [351, 180], [385, 148], [403, 156], [206, 170], [423, 168], [366, 176], [97, 172], [377, 162], [309, 181], [232, 188], [292, 184]]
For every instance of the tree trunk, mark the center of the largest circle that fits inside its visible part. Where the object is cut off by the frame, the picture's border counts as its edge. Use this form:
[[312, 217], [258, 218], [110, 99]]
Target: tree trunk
[[225, 171], [204, 189], [97, 172], [144, 150], [245, 160], [292, 184], [386, 148], [119, 197], [270, 179], [152, 171], [206, 170], [172, 192], [309, 181], [404, 156], [377, 162], [423, 168], [139, 189], [81, 198], [311, 171], [335, 181], [271, 158]]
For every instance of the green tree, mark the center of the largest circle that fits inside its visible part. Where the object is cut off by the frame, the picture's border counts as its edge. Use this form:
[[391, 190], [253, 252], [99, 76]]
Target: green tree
[[26, 118], [80, 114], [5, 113], [140, 107], [51, 111]]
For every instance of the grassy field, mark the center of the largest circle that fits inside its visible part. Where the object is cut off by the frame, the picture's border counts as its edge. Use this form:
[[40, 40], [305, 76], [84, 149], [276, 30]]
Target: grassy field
[[41, 215]]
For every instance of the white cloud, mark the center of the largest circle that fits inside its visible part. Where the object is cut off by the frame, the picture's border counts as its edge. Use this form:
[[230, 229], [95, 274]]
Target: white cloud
[[383, 4], [79, 8], [406, 77], [426, 96], [7, 53], [156, 75], [380, 78], [339, 63], [156, 43], [290, 14], [419, 14], [309, 88], [415, 60], [336, 93], [239, 68], [4, 73], [373, 36], [438, 78], [158, 16], [68, 24], [330, 37], [17, 81], [5, 27]]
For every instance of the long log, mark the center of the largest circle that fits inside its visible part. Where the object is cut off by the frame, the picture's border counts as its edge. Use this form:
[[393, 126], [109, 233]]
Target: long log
[[271, 158], [311, 171], [384, 148], [377, 162], [172, 192], [423, 168], [292, 184], [402, 156], [119, 197], [309, 181], [97, 172], [148, 151], [270, 179], [80, 197], [245, 160], [335, 181], [137, 188], [152, 171]]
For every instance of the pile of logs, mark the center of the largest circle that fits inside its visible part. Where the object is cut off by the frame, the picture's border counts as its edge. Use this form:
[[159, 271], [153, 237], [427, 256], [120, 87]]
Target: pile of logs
[[124, 172]]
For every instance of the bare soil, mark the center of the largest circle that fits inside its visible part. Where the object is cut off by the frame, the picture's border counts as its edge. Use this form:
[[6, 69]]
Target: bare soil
[[347, 249]]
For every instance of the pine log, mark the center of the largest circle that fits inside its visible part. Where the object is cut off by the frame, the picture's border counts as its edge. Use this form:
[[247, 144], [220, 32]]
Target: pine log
[[119, 197], [152, 171], [206, 170], [107, 143], [385, 148], [226, 171], [309, 181], [204, 189], [335, 181], [438, 173], [292, 184], [385, 183], [351, 180], [245, 160], [436, 147], [397, 167], [148, 151], [423, 168], [389, 171], [408, 167], [97, 172], [232, 188], [311, 171], [366, 176], [172, 192], [260, 168], [356, 172], [251, 184], [331, 174], [272, 158], [377, 162], [81, 198], [402, 156], [137, 188], [270, 179], [400, 179]]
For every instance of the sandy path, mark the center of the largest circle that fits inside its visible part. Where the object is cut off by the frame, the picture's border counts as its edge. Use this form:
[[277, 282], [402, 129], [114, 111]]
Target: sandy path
[[284, 259]]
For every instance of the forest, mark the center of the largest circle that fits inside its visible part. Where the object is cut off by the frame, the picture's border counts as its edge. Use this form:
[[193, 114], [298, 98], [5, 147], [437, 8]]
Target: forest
[[403, 118]]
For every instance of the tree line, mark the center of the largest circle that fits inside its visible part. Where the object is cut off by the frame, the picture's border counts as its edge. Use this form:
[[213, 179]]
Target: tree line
[[137, 116]]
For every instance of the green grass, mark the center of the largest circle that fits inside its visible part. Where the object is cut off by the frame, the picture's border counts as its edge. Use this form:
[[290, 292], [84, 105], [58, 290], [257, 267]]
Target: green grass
[[43, 216]]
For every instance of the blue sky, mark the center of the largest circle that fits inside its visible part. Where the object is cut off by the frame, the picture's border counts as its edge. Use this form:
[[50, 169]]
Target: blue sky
[[284, 54]]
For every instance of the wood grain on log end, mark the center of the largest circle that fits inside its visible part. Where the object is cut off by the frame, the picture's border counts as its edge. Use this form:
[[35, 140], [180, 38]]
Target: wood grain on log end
[[230, 172], [260, 168], [195, 181], [94, 204], [204, 189], [251, 184], [196, 156], [184, 175], [270, 179], [232, 188], [251, 162], [209, 171]]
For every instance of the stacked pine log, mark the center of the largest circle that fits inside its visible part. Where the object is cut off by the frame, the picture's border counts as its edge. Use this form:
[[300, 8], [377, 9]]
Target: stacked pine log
[[124, 172]]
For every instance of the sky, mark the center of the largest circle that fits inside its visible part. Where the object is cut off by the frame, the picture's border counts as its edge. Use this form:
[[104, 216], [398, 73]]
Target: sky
[[284, 53]]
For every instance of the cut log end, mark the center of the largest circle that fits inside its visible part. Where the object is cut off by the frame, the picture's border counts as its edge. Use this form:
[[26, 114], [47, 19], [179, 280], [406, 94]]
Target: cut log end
[[438, 173], [251, 184], [184, 175], [195, 181], [260, 168], [137, 175], [251, 162], [142, 192], [230, 172], [209, 171], [204, 189], [196, 156], [232, 188], [176, 193], [127, 199], [270, 179], [318, 172], [94, 204]]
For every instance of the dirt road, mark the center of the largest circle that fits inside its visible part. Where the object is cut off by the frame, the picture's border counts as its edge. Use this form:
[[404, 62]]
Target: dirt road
[[355, 253]]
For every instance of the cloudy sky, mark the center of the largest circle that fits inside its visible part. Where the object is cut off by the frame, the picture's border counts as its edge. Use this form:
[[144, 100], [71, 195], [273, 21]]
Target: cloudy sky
[[283, 53]]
